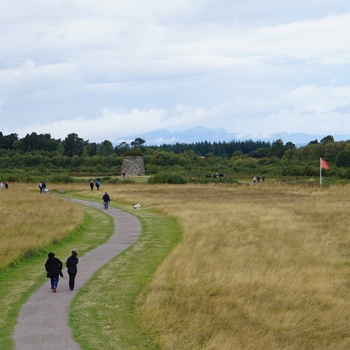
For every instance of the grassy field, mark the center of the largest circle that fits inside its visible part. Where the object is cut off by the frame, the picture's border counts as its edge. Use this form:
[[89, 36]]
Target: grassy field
[[106, 312], [259, 266], [31, 226], [31, 221]]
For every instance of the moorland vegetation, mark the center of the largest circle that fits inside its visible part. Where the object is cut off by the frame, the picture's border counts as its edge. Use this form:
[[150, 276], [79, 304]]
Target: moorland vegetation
[[262, 265], [259, 266]]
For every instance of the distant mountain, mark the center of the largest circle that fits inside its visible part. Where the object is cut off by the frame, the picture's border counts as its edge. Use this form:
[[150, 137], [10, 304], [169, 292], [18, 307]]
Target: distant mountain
[[196, 134], [200, 134]]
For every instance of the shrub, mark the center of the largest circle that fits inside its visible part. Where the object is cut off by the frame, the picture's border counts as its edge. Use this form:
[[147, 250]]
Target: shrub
[[151, 169], [250, 163], [167, 178], [294, 170], [133, 152]]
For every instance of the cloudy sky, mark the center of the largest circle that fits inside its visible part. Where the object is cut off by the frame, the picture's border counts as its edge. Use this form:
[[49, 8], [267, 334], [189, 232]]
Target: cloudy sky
[[108, 69]]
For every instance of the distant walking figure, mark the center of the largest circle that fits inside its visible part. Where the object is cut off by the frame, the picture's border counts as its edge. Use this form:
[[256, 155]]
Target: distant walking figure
[[91, 185], [53, 268], [98, 184], [72, 270], [106, 199]]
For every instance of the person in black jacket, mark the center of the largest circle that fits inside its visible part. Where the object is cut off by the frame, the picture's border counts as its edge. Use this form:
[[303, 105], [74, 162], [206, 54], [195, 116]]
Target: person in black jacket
[[72, 269], [106, 199], [53, 268]]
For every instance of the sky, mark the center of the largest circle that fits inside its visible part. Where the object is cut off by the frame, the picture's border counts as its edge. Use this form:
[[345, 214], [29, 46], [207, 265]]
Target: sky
[[109, 69]]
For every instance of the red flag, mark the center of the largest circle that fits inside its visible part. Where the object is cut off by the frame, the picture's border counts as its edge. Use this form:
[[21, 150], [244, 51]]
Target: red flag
[[324, 164]]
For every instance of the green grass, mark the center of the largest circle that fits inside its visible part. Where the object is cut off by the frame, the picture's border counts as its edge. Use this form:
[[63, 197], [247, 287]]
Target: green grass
[[20, 280], [104, 314]]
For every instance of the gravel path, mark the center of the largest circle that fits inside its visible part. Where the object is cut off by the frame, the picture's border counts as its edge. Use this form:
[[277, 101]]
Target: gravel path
[[43, 320]]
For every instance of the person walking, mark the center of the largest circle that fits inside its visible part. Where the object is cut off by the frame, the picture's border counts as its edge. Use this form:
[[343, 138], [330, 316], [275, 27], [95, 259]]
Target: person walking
[[72, 269], [91, 185], [53, 268], [106, 199]]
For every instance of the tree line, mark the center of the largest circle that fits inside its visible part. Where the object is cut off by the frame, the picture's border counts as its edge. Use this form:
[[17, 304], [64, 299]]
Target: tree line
[[73, 145], [77, 154]]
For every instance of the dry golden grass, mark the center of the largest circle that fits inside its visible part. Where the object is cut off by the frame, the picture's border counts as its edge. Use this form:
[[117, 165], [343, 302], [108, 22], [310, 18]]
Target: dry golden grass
[[260, 266], [31, 221]]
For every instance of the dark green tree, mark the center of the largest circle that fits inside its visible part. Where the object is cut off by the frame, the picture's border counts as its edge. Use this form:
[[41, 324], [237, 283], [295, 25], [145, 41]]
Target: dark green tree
[[328, 139], [6, 141], [105, 148], [343, 159], [277, 149], [122, 148], [289, 145], [259, 153], [73, 145], [138, 142], [92, 148], [39, 142]]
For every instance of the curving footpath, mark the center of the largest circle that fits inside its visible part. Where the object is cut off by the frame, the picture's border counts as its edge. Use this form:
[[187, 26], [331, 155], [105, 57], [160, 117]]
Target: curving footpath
[[43, 322]]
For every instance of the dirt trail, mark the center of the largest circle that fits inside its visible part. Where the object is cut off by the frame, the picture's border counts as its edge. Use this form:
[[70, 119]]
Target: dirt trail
[[43, 320]]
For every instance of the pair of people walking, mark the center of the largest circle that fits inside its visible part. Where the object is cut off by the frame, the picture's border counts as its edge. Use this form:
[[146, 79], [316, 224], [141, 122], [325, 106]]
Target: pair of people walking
[[97, 184], [54, 266]]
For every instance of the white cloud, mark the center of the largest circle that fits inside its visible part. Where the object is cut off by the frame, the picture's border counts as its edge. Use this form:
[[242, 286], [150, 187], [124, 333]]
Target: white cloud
[[112, 125], [312, 99], [249, 66]]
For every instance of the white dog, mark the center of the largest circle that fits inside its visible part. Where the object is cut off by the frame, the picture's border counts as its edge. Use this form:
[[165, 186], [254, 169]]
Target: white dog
[[137, 206]]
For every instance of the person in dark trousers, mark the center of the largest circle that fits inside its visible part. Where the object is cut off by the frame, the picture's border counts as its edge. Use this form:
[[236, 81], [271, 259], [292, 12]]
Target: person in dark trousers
[[106, 199], [53, 268], [91, 185], [72, 270], [98, 183]]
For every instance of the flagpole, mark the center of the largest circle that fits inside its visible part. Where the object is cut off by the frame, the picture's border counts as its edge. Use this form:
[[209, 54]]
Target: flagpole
[[320, 172]]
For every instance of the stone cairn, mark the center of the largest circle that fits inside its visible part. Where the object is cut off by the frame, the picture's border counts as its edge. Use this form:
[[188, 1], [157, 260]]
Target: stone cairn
[[133, 166]]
